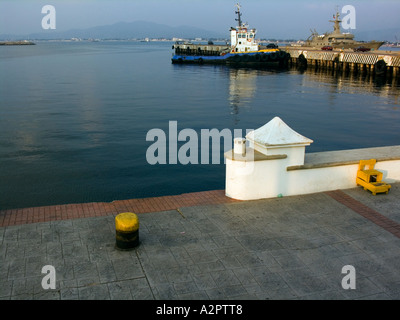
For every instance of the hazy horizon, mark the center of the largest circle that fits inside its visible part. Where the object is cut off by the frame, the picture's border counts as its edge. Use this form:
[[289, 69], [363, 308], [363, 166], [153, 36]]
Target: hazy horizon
[[285, 19]]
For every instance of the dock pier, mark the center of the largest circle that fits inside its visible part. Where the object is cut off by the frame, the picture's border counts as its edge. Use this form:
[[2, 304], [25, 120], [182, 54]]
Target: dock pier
[[385, 63]]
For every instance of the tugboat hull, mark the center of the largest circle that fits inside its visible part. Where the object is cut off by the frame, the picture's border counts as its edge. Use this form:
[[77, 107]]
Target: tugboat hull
[[261, 58]]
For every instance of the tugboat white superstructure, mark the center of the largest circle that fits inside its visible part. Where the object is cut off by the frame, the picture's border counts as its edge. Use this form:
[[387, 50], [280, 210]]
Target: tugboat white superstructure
[[243, 39], [244, 49]]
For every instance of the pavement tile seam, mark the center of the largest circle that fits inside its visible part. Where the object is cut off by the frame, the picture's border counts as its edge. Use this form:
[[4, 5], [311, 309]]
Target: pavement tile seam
[[23, 289]]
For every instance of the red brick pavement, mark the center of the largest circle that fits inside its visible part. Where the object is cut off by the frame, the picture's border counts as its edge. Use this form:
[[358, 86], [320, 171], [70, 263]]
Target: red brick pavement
[[368, 213], [96, 209]]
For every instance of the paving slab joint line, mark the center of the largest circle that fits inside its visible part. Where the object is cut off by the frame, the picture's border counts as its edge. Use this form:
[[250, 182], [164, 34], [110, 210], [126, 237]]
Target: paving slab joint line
[[144, 273], [365, 211]]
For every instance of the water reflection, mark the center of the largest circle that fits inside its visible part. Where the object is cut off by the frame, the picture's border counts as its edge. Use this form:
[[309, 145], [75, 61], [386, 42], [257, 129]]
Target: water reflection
[[242, 88], [386, 88]]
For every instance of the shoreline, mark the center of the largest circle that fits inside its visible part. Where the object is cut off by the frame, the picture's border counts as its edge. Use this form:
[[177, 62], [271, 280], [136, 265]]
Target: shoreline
[[18, 216], [17, 43]]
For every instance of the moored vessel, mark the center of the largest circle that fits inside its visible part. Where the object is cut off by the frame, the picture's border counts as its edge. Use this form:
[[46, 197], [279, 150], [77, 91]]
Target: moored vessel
[[243, 49], [337, 39]]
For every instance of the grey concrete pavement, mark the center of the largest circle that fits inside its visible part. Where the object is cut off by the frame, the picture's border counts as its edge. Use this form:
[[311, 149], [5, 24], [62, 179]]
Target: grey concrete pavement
[[283, 248]]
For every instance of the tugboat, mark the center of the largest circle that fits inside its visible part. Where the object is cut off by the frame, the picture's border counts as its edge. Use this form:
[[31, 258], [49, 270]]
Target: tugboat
[[337, 39], [244, 50]]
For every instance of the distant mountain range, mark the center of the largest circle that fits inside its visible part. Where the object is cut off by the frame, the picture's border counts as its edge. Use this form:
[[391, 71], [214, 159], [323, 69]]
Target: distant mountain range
[[143, 29], [122, 30]]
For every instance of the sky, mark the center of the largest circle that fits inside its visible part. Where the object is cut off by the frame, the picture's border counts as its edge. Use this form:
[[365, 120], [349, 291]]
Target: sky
[[278, 18]]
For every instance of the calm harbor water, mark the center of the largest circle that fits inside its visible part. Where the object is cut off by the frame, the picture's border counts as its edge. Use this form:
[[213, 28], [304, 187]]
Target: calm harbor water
[[74, 117]]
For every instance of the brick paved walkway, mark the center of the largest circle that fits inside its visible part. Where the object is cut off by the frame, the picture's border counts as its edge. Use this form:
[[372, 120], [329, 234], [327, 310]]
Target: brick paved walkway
[[155, 204], [206, 246], [98, 209]]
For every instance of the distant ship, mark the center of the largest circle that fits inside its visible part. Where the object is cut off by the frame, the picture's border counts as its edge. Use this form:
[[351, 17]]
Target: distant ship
[[243, 49], [338, 40]]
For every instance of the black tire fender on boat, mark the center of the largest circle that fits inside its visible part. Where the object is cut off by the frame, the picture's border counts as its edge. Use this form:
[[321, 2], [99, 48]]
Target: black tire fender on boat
[[265, 57], [237, 58], [273, 55], [200, 60], [245, 58], [257, 57], [282, 54]]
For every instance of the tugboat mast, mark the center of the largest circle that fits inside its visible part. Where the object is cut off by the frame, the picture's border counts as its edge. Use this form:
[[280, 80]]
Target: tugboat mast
[[239, 20]]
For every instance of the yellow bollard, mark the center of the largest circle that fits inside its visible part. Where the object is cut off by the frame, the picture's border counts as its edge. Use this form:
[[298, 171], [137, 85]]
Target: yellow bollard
[[127, 230]]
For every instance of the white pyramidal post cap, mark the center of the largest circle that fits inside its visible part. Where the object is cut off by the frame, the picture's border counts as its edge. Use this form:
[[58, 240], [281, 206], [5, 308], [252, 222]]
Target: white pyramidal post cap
[[277, 133]]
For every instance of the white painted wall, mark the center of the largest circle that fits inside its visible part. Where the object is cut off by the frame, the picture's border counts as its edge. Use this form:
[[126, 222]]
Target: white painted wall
[[255, 179], [295, 153], [269, 178]]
